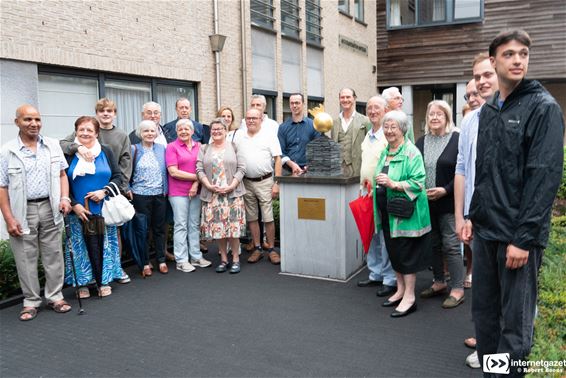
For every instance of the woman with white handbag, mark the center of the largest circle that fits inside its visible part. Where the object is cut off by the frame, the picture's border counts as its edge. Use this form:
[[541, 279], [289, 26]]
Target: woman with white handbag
[[88, 184]]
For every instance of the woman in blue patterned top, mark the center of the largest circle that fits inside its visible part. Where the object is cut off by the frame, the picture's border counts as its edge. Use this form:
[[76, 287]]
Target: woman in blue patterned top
[[87, 182], [150, 189]]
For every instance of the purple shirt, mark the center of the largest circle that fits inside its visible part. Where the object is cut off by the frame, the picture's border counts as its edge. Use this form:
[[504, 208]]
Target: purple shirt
[[179, 154]]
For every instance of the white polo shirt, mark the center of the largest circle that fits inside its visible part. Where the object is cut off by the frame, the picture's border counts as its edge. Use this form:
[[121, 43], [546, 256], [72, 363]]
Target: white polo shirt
[[258, 151]]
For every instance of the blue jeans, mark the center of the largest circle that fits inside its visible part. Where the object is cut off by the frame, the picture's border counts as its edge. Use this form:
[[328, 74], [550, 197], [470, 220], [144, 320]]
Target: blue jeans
[[186, 231], [379, 266]]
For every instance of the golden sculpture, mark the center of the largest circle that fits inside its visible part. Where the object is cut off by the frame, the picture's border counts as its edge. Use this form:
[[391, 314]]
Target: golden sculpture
[[322, 120]]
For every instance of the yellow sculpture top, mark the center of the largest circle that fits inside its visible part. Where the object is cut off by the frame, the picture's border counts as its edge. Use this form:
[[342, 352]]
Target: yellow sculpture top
[[322, 120]]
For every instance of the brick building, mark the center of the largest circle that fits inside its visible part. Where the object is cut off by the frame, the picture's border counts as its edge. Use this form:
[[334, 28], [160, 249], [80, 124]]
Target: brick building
[[63, 55]]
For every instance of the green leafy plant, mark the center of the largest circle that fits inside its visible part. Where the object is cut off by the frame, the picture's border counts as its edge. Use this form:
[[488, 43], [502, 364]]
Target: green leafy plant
[[9, 282]]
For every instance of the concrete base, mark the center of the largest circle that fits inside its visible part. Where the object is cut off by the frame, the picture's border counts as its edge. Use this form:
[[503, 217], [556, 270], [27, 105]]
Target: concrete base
[[330, 248]]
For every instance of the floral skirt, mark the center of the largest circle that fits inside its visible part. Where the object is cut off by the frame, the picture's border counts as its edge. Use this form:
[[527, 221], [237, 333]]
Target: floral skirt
[[111, 266], [223, 217]]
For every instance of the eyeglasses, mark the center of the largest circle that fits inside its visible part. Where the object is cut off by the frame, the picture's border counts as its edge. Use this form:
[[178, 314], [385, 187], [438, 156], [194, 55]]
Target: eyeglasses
[[390, 128], [437, 115], [252, 118], [155, 112], [215, 131], [467, 96]]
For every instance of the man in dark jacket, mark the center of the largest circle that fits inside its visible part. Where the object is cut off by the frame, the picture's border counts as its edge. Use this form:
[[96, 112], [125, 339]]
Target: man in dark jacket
[[183, 108], [518, 171]]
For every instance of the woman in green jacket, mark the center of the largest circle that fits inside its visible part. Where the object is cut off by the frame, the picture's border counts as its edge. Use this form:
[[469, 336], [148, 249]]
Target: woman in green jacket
[[400, 173]]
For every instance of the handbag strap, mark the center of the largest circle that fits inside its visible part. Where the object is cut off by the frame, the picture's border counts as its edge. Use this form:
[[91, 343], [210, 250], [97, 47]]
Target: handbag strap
[[114, 193]]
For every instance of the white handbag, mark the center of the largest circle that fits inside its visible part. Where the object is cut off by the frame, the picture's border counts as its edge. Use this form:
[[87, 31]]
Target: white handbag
[[116, 209]]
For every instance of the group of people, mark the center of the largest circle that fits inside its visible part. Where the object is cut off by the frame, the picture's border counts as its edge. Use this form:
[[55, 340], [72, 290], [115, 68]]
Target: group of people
[[489, 185]]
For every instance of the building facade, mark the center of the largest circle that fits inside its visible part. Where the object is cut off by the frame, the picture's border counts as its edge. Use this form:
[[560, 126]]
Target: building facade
[[427, 47], [63, 55]]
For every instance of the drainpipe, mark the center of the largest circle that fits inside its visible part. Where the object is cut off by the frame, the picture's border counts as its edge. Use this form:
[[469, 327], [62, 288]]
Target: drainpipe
[[244, 55], [217, 57]]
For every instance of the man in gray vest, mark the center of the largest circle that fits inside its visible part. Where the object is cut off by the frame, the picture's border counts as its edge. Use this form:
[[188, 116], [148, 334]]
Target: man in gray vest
[[349, 130]]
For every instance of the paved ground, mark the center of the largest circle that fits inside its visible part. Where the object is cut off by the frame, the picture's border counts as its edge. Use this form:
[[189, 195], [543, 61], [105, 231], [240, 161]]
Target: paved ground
[[258, 323]]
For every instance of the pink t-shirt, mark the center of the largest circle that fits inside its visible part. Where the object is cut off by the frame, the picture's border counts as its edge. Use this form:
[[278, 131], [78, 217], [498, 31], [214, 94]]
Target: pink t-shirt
[[178, 154]]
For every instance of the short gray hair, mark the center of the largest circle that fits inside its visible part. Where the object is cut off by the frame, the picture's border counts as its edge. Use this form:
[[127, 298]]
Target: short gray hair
[[378, 98], [144, 125], [260, 97], [151, 103], [399, 117], [183, 122], [390, 92]]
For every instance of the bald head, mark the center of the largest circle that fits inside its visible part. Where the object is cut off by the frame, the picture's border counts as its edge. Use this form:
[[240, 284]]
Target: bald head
[[28, 121]]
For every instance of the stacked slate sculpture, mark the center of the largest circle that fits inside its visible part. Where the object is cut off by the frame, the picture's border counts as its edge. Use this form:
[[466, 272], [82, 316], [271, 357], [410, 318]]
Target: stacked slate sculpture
[[323, 154]]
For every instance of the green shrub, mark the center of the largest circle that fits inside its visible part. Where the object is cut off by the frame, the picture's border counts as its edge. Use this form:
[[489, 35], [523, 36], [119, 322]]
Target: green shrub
[[276, 217], [550, 325], [562, 188]]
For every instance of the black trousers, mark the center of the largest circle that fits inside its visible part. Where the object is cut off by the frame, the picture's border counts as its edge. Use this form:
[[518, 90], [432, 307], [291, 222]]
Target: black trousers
[[503, 301], [154, 208]]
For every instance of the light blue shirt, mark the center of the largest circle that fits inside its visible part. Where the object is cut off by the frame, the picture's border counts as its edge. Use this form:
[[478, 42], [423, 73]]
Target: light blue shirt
[[466, 162]]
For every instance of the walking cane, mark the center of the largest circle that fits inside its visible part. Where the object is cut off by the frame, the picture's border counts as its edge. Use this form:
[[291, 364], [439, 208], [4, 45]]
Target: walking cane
[[70, 245]]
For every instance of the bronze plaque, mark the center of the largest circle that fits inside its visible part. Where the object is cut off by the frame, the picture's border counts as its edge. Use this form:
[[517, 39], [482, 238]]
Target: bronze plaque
[[312, 208]]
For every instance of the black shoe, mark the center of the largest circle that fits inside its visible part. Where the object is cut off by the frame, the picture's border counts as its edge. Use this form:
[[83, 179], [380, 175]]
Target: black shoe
[[389, 303], [385, 290], [400, 314], [366, 283]]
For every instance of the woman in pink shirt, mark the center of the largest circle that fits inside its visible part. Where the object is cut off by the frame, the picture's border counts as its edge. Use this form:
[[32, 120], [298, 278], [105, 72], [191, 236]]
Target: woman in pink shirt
[[181, 158]]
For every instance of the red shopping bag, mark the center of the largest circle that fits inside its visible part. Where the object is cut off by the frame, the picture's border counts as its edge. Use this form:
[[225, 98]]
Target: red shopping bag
[[362, 210]]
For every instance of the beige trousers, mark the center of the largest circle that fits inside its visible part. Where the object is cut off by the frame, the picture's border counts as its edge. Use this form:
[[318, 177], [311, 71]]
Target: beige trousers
[[43, 240]]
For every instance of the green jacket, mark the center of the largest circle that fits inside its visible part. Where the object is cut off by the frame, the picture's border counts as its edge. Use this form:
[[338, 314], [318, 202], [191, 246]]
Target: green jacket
[[407, 168]]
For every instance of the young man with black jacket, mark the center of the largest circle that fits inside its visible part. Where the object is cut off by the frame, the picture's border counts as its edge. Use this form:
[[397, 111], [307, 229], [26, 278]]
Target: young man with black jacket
[[518, 171]]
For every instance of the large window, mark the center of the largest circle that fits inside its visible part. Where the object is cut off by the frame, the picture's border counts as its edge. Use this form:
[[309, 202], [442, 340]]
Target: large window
[[62, 99], [291, 66], [313, 21], [290, 18], [418, 13], [64, 95], [261, 12]]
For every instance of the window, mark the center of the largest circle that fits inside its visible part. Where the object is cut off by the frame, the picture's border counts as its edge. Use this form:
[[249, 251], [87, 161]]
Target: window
[[313, 21], [344, 6], [291, 66], [263, 60], [418, 13], [168, 94], [315, 72], [63, 99], [286, 108], [129, 97], [359, 10], [66, 94], [290, 18], [262, 13]]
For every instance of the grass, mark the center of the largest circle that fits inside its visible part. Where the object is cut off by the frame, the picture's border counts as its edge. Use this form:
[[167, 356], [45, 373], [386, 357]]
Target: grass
[[550, 325]]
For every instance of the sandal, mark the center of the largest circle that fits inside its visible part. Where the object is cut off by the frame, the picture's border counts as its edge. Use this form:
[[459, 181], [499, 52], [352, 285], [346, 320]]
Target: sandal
[[222, 267], [31, 311], [146, 272], [60, 307], [83, 292], [235, 268], [468, 282], [163, 268], [104, 291]]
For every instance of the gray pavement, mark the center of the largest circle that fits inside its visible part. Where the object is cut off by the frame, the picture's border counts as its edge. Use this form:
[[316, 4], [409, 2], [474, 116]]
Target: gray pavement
[[254, 324]]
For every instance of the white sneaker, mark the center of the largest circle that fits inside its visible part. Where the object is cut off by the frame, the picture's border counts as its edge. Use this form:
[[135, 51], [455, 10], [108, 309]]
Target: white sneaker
[[202, 263], [125, 278], [473, 361], [185, 267]]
